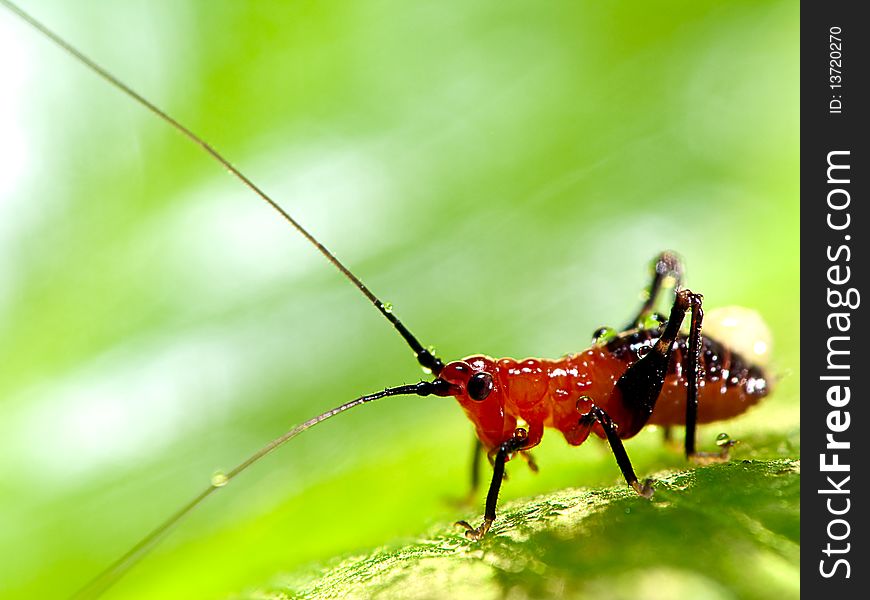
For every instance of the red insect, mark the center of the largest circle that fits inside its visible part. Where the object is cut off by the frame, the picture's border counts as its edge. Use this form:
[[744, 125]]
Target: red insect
[[625, 381], [649, 373]]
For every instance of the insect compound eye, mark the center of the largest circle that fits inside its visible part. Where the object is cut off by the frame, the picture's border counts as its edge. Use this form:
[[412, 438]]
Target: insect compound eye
[[479, 386]]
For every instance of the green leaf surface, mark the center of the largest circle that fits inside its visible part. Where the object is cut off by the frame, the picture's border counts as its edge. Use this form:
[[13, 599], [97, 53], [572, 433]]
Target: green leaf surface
[[723, 531]]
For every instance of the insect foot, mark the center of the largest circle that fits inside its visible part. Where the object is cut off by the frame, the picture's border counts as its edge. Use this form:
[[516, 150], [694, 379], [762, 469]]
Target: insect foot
[[475, 534], [645, 489]]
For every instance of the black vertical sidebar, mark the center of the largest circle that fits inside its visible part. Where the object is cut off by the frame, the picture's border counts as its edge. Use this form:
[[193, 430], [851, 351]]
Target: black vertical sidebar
[[835, 300]]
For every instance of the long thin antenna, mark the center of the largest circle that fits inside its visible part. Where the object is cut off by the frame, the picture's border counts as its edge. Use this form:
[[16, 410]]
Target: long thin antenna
[[424, 356], [102, 582]]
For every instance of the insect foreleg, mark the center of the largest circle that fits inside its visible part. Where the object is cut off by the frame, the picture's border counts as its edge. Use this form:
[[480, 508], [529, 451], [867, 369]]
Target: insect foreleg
[[516, 442], [666, 265]]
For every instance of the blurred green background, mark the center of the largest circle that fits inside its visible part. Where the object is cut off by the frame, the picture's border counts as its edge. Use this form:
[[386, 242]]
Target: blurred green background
[[501, 172]]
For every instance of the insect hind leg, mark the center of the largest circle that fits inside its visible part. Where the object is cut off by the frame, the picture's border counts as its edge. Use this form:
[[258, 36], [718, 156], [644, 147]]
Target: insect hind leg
[[694, 371], [635, 394], [694, 378], [667, 265]]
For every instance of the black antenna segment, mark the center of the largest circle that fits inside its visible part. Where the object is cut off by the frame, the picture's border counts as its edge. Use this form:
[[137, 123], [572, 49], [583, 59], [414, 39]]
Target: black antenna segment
[[425, 357]]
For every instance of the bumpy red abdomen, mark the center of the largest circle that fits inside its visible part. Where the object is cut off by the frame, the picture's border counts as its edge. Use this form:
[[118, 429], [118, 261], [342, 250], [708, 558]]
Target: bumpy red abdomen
[[729, 384]]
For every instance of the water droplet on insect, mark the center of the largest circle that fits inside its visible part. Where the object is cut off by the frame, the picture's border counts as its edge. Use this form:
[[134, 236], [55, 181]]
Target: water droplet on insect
[[651, 321], [643, 351], [603, 335], [219, 479], [430, 350], [583, 404], [723, 439], [388, 307]]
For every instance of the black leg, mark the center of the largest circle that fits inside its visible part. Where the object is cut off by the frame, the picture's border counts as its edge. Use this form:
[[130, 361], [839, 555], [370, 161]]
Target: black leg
[[636, 392], [694, 375], [667, 264], [512, 445], [476, 454], [598, 414], [639, 387]]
